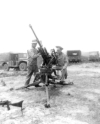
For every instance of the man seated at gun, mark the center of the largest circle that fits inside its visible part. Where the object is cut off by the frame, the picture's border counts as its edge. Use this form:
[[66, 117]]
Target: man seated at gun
[[32, 63], [62, 64]]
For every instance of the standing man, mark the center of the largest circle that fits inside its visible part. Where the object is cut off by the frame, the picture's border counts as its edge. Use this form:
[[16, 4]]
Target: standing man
[[62, 63], [32, 55]]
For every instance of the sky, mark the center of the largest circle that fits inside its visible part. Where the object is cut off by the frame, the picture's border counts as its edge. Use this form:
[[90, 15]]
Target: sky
[[72, 24]]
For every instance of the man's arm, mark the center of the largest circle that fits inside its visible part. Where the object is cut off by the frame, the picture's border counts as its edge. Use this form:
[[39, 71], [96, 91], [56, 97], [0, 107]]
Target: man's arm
[[65, 62], [32, 55], [36, 55]]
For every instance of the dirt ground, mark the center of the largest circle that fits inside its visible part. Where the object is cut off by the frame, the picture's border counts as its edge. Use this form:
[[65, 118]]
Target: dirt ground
[[74, 104]]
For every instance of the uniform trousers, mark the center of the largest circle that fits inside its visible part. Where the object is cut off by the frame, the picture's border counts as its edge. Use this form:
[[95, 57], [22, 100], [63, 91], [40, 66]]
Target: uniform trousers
[[32, 69], [64, 73]]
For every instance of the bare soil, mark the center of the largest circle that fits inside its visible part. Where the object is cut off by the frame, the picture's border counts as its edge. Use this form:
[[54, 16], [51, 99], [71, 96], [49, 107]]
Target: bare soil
[[73, 104]]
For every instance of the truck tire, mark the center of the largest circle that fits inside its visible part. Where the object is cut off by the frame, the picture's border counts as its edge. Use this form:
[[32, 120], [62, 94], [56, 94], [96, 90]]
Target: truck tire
[[6, 67], [23, 66]]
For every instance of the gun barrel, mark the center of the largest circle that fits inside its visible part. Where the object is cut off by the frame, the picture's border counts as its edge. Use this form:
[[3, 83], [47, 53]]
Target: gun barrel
[[33, 32], [35, 36]]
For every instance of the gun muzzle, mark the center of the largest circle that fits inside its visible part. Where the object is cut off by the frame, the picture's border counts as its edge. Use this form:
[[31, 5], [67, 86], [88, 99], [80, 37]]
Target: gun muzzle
[[18, 104]]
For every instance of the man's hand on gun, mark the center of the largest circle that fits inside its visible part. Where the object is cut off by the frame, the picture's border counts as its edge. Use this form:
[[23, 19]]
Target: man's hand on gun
[[38, 55]]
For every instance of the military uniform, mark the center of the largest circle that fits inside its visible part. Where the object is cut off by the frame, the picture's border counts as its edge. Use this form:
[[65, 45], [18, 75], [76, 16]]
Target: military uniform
[[31, 64], [62, 64]]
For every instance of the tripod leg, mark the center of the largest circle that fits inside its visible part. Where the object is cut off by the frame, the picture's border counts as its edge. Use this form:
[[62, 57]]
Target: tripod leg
[[47, 105]]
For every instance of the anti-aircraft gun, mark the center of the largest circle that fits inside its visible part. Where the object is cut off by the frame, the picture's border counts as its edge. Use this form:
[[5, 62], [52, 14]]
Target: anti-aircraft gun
[[45, 71], [45, 74]]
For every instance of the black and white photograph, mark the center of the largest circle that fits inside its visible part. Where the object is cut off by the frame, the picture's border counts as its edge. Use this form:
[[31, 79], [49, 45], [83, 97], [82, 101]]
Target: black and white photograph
[[49, 62]]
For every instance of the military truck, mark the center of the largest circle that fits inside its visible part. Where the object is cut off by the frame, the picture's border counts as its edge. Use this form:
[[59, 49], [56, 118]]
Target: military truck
[[13, 60], [94, 56], [74, 55]]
